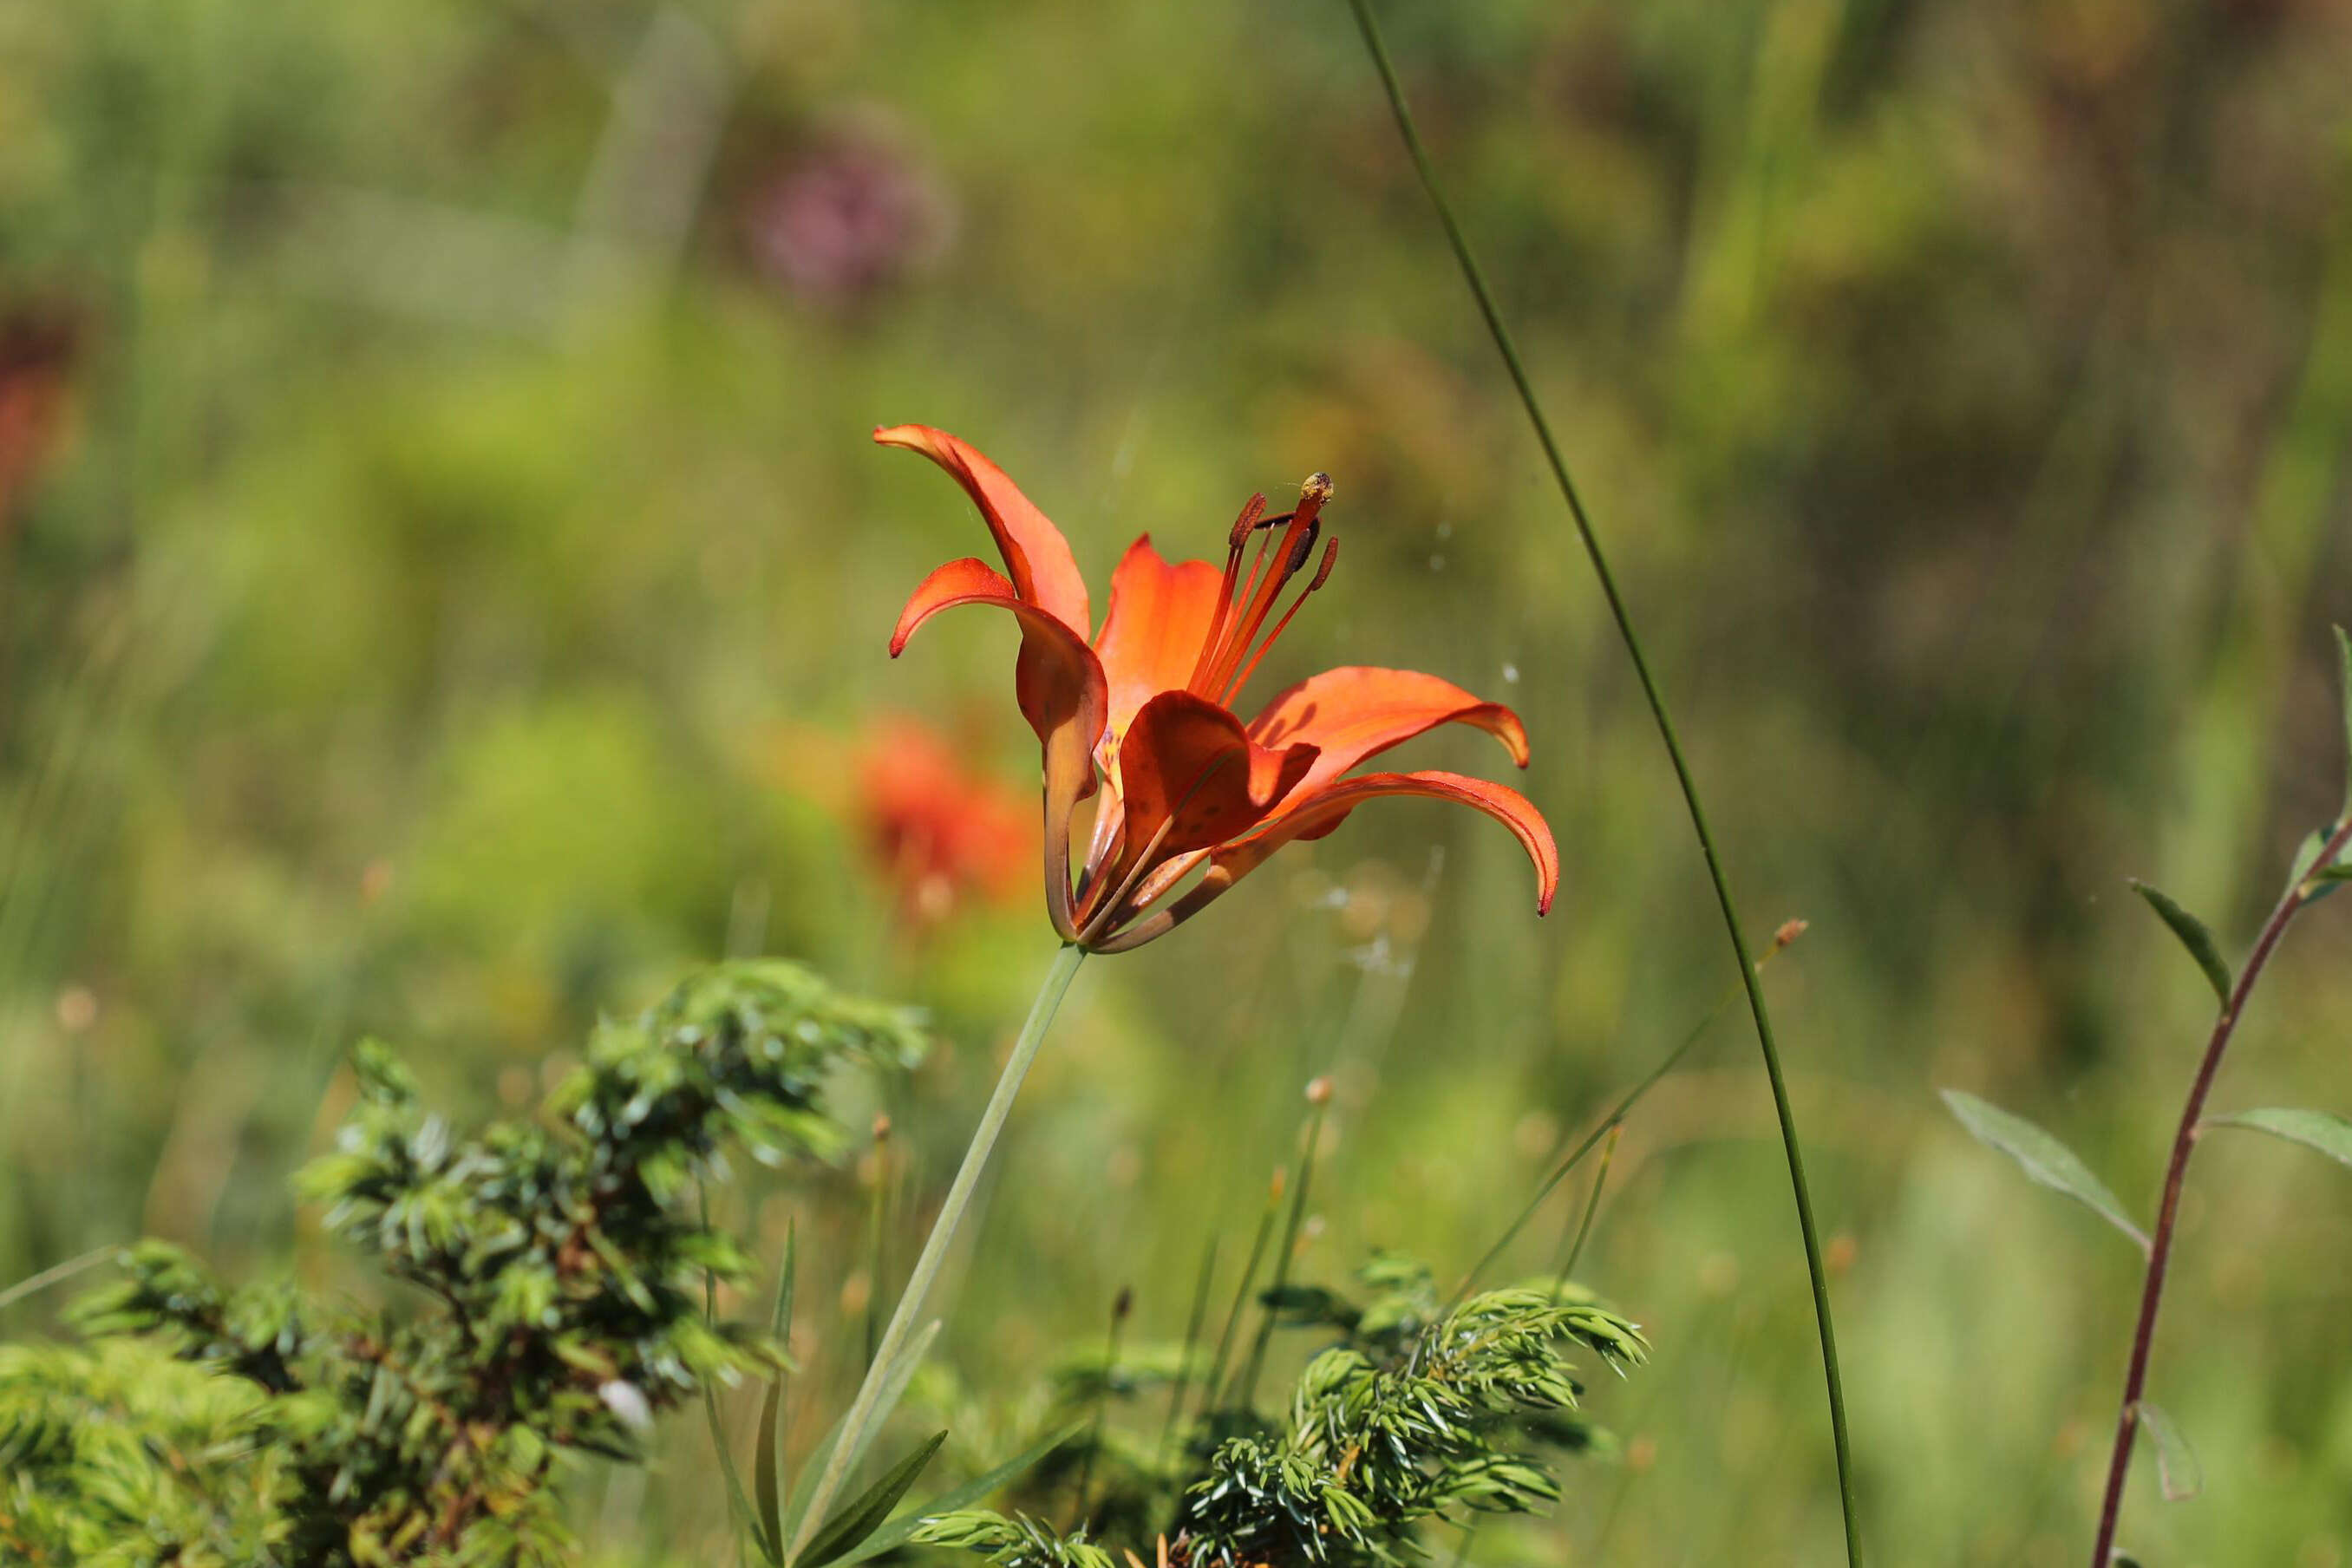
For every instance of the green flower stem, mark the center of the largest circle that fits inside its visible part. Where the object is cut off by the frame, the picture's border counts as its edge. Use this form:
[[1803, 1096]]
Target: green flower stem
[[1476, 279], [862, 1413]]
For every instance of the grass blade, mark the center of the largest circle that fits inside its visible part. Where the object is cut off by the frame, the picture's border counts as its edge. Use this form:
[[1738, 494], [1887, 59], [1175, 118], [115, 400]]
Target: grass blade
[[738, 1505], [891, 1389], [1792, 1144], [861, 1517], [768, 1461], [898, 1531]]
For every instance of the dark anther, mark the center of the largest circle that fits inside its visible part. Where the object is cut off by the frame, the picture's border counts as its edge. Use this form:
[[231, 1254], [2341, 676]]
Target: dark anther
[[1323, 572], [1305, 549]]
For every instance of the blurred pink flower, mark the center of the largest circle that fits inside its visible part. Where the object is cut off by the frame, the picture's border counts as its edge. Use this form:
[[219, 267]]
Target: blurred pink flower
[[848, 213]]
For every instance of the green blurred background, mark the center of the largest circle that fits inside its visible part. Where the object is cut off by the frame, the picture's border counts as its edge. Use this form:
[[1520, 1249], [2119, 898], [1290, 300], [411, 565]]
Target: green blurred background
[[445, 581]]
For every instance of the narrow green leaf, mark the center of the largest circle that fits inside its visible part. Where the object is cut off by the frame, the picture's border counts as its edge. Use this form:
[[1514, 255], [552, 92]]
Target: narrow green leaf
[[900, 1530], [739, 1507], [2344, 656], [767, 1467], [780, 1321], [2321, 1130], [2178, 1473], [892, 1389], [894, 1386], [2193, 936], [768, 1461], [864, 1514], [2042, 1158]]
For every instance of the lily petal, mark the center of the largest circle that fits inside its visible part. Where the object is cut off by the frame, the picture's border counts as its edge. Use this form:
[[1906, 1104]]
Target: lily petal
[[1151, 634], [1191, 777], [1062, 693], [1036, 556], [1359, 711], [1318, 814], [1058, 680]]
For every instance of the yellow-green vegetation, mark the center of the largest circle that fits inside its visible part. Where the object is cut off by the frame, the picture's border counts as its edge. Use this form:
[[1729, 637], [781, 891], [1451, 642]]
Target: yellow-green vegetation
[[445, 584]]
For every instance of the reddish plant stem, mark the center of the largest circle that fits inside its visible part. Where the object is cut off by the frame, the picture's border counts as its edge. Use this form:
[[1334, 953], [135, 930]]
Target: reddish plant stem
[[2176, 1172]]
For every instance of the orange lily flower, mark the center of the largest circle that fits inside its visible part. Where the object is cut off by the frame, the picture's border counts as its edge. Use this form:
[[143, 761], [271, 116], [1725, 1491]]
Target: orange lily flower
[[1143, 712]]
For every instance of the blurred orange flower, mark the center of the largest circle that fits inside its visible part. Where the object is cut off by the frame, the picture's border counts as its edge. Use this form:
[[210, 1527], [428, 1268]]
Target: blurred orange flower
[[1143, 712], [37, 352], [941, 830]]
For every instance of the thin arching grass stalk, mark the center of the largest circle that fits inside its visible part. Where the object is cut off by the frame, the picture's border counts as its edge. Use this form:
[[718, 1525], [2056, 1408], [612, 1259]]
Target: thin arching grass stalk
[[2176, 1172], [57, 1273], [862, 1413], [1216, 1380], [1790, 931], [878, 1211], [1318, 1096], [1591, 1207], [1120, 1306], [1791, 1142], [1192, 1321]]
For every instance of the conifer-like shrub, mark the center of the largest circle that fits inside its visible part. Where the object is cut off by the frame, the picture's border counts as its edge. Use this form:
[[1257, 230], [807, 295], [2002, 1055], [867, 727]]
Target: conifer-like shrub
[[1418, 1409], [560, 1275]]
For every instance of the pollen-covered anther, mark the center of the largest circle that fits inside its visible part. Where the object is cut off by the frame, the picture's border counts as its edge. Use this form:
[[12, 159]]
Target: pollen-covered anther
[[1252, 517], [1317, 488]]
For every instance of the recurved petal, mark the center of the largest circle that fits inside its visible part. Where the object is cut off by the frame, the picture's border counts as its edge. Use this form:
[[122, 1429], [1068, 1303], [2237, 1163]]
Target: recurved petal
[[1036, 556], [1312, 816], [1058, 679], [1359, 711], [1152, 635], [1191, 777]]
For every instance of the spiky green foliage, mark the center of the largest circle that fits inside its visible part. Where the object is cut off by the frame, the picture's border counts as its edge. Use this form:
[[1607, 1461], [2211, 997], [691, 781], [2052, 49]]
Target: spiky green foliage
[[119, 1457], [561, 1274], [1418, 1409], [1016, 1542]]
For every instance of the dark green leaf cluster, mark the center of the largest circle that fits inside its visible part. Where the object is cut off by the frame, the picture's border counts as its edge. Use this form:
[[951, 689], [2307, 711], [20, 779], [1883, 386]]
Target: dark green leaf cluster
[[1418, 1408], [561, 1270]]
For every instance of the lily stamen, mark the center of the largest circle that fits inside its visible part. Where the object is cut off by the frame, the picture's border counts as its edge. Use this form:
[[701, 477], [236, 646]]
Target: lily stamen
[[1322, 575], [1235, 587], [1144, 863], [1230, 639]]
